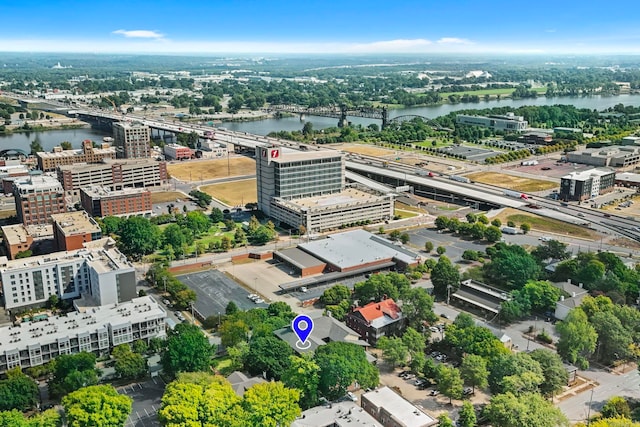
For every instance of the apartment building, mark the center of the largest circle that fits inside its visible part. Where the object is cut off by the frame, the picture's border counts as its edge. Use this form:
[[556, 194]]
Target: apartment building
[[72, 230], [102, 201], [115, 174], [16, 239], [92, 329], [132, 140], [37, 198], [98, 270], [48, 162]]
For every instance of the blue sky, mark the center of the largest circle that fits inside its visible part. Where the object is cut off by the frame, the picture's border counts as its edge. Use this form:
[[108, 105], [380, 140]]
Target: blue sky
[[311, 26]]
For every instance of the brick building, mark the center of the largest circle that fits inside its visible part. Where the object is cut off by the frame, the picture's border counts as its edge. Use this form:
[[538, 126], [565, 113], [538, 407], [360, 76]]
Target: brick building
[[72, 229], [16, 239], [177, 152], [131, 140], [50, 161], [376, 319], [101, 201], [37, 198]]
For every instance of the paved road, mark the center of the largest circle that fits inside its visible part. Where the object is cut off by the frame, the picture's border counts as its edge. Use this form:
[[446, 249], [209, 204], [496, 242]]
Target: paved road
[[146, 402]]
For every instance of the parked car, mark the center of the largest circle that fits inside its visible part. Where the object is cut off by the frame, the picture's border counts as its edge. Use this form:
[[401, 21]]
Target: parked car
[[352, 397], [419, 382], [166, 302], [403, 373], [258, 301], [444, 316], [467, 391], [252, 296], [434, 393]]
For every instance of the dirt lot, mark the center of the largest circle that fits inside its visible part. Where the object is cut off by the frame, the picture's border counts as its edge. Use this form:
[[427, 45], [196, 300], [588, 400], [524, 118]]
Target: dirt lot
[[633, 210], [166, 196], [550, 225], [235, 193], [511, 182], [198, 170]]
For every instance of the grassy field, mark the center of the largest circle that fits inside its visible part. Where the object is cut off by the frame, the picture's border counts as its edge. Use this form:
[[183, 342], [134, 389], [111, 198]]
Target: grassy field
[[233, 193], [511, 182], [367, 150], [198, 170], [166, 196], [547, 224], [405, 211]]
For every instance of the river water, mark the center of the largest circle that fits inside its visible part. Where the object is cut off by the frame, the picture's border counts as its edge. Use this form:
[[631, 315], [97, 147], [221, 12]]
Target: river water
[[49, 139]]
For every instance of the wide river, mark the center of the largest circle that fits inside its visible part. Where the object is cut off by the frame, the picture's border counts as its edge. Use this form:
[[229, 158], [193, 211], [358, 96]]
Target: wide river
[[49, 139]]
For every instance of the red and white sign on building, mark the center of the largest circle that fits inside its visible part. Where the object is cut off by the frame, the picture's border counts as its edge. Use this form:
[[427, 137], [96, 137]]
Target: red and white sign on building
[[271, 153]]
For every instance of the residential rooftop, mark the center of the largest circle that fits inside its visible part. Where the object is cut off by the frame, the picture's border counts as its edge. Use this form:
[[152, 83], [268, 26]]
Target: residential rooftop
[[340, 414], [37, 184], [15, 234], [403, 412], [76, 152]]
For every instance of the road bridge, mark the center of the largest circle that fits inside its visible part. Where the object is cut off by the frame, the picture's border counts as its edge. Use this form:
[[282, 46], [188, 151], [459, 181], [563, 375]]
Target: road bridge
[[13, 152], [340, 112]]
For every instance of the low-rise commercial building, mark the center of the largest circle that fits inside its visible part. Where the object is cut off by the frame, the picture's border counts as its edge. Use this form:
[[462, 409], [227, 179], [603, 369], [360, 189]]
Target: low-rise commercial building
[[101, 201], [339, 414], [177, 152], [88, 154], [72, 230], [37, 198], [96, 329], [586, 184], [16, 239], [614, 156], [98, 271], [627, 179], [506, 122], [537, 138], [392, 410], [115, 174]]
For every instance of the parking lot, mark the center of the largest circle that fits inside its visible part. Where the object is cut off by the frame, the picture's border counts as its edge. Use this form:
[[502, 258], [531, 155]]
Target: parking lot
[[146, 398], [549, 167], [214, 290], [471, 153]]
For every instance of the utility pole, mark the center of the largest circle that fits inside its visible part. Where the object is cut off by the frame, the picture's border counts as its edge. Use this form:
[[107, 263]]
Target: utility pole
[[164, 279], [589, 409]]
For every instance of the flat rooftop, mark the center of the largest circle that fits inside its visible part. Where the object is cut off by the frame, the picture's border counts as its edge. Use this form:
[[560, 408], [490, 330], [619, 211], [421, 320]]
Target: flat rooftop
[[287, 156], [75, 153], [357, 247], [341, 414], [347, 196], [15, 234], [107, 163], [299, 258], [103, 192], [38, 183], [84, 321], [400, 409], [78, 222], [585, 175], [628, 176]]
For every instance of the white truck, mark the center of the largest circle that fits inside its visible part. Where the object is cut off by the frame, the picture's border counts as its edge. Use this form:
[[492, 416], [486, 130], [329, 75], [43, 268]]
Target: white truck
[[510, 230], [460, 179], [516, 194], [529, 163]]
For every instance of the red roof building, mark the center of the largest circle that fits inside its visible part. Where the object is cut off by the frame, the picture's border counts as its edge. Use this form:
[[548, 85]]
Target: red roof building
[[376, 319]]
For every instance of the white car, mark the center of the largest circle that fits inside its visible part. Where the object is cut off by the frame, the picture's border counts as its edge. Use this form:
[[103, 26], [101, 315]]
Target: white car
[[544, 238], [252, 296], [352, 396], [258, 300]]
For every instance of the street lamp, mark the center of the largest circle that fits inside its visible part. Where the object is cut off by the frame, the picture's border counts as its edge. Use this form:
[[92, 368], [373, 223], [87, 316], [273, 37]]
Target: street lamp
[[164, 279]]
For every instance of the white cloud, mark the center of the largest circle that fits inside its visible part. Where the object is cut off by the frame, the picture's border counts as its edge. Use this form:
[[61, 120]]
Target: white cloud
[[139, 34], [454, 40]]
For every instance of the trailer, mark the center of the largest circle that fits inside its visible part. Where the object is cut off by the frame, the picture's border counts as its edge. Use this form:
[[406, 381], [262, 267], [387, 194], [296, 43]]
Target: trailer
[[510, 230], [529, 163], [460, 179], [421, 172], [516, 194]]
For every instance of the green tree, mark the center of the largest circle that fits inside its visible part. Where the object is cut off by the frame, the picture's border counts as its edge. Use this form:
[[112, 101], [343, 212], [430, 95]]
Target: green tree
[[525, 227], [271, 404], [15, 418], [464, 320], [268, 355], [616, 407], [262, 235], [71, 372], [216, 215], [474, 371], [428, 246], [470, 255], [18, 391], [553, 370], [197, 222], [473, 340], [442, 222], [515, 372], [493, 234], [335, 295], [614, 341], [138, 237], [443, 276], [577, 338], [188, 350], [467, 415], [66, 145], [176, 237], [496, 222], [307, 129], [440, 250], [303, 374], [552, 249], [404, 238], [340, 365], [444, 420], [417, 307], [231, 309], [512, 265], [530, 409], [414, 341], [96, 406], [129, 364], [449, 382], [394, 351], [36, 146], [378, 285]]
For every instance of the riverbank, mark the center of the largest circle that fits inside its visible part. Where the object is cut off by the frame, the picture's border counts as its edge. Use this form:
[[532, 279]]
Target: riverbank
[[43, 128]]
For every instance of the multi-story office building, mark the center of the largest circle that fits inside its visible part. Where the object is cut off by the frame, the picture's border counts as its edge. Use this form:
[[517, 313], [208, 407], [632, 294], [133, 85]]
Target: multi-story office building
[[98, 271], [37, 198], [16, 239], [617, 156], [308, 188], [508, 122], [586, 184], [72, 230], [131, 140], [91, 329], [115, 174], [101, 201], [50, 161]]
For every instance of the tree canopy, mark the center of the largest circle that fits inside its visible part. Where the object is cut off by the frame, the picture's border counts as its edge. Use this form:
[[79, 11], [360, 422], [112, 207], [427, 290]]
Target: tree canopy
[[96, 406], [340, 365], [529, 409], [188, 350]]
